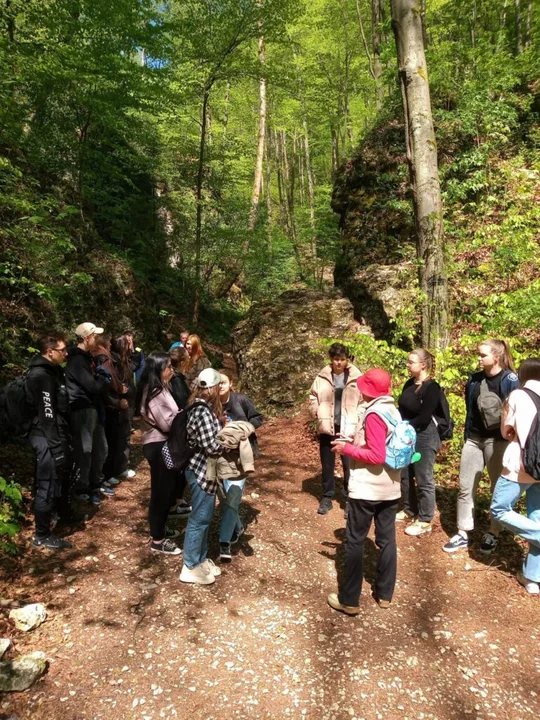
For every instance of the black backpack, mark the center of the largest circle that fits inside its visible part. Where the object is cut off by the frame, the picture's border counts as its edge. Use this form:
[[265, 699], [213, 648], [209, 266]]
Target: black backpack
[[442, 419], [16, 408], [176, 452], [531, 450]]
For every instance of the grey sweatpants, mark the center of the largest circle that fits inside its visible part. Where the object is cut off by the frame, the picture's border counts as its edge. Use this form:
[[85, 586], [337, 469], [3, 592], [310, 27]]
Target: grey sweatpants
[[478, 453], [90, 448]]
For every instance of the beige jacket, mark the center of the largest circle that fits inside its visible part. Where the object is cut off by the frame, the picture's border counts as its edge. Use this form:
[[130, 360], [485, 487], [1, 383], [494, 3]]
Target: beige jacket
[[237, 459], [374, 482], [321, 402]]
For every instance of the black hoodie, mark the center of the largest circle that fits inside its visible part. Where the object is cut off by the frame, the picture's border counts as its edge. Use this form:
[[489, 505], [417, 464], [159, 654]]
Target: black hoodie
[[46, 385], [85, 388]]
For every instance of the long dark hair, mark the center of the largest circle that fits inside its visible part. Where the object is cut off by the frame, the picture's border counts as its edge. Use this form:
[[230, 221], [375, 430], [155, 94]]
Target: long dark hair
[[150, 383], [120, 345], [529, 370]]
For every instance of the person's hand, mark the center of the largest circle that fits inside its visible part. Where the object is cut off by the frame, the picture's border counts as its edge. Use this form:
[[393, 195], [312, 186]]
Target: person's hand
[[337, 446], [124, 404]]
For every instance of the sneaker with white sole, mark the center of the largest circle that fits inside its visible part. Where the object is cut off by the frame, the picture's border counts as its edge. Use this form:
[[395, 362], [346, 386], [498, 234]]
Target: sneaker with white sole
[[225, 554], [107, 491], [199, 575], [212, 567], [165, 546], [458, 542], [418, 528], [126, 475], [182, 510], [489, 544], [533, 588], [404, 516], [170, 533], [112, 482]]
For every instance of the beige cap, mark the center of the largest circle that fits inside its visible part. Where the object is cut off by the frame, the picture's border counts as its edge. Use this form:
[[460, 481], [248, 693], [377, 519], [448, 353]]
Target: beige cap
[[86, 329], [208, 378]]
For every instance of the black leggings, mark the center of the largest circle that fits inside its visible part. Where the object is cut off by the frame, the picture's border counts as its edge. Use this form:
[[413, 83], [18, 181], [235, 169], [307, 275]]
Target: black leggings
[[162, 487]]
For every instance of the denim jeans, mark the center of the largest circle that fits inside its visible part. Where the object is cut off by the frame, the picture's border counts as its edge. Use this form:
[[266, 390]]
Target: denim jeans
[[478, 453], [506, 495], [202, 512], [417, 483], [230, 502]]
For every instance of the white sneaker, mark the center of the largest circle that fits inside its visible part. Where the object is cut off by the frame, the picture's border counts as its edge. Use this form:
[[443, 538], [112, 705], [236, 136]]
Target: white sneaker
[[198, 575], [530, 586], [127, 475], [402, 516], [418, 528], [212, 567]]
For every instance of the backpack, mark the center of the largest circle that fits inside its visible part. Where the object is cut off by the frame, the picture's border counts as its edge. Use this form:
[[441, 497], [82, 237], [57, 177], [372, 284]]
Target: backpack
[[400, 445], [530, 454], [177, 452], [442, 420], [16, 408], [489, 405]]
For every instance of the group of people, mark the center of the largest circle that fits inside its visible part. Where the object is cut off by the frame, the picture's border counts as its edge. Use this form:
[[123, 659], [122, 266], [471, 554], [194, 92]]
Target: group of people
[[83, 421], [356, 416]]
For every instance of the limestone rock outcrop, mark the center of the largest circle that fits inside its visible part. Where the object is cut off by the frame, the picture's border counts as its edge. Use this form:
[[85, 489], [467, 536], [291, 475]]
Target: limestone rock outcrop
[[276, 346]]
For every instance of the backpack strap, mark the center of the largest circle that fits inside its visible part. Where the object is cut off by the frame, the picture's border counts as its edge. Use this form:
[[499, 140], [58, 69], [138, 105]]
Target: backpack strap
[[534, 397]]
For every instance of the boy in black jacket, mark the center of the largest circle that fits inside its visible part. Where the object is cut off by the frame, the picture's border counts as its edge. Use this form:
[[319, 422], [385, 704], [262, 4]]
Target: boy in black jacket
[[49, 436]]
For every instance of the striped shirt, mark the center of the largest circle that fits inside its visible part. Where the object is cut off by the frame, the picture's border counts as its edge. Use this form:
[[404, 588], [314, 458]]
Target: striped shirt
[[202, 430]]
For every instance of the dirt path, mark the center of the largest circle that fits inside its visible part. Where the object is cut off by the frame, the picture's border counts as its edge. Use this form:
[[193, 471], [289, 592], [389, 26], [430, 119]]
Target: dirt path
[[127, 640]]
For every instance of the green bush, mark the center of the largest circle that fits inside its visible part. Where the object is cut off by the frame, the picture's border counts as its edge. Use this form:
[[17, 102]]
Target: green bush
[[11, 511]]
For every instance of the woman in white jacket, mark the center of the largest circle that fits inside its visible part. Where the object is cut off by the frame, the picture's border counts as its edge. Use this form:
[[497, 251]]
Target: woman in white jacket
[[518, 415]]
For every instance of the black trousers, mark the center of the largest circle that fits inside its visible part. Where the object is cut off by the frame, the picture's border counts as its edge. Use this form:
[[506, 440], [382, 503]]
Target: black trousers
[[179, 487], [162, 489], [328, 462], [48, 485], [117, 432], [361, 513]]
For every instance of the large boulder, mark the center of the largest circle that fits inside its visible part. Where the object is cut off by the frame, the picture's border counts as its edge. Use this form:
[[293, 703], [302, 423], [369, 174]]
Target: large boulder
[[277, 346], [22, 673]]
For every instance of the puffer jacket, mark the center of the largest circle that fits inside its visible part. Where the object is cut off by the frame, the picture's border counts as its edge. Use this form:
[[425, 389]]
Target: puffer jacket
[[321, 401]]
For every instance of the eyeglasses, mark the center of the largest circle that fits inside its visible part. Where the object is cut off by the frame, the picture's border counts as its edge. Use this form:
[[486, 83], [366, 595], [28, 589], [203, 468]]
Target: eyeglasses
[[62, 350]]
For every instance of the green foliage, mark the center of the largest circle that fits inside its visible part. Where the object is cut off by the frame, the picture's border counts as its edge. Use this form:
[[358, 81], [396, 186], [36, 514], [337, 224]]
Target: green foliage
[[11, 512]]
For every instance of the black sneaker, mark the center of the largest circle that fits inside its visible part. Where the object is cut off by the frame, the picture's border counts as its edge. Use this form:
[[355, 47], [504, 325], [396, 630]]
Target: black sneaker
[[170, 533], [225, 554], [489, 544], [237, 535], [325, 506], [182, 510], [166, 546], [52, 543]]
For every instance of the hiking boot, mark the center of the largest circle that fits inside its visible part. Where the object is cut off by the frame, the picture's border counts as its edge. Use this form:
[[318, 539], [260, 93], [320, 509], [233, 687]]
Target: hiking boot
[[531, 587], [489, 544], [383, 604], [182, 510], [225, 554], [211, 567], [418, 528], [237, 535], [458, 542], [199, 575], [325, 506], [51, 543], [126, 475], [170, 533], [166, 546], [402, 515], [334, 603]]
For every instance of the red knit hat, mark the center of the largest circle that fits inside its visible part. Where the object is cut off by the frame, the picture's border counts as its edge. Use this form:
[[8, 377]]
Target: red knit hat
[[374, 383]]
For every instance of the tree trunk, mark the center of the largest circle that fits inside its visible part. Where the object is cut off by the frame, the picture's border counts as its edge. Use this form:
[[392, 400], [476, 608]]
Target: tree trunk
[[199, 200], [257, 181], [377, 11], [423, 171], [519, 29], [311, 191]]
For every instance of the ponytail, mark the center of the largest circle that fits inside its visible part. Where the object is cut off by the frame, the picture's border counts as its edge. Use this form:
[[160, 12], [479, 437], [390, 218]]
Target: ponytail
[[501, 350], [424, 356]]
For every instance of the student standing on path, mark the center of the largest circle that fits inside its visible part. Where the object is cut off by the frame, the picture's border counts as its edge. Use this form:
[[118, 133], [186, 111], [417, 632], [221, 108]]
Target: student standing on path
[[235, 407], [374, 490], [484, 445], [87, 415], [49, 437], [418, 402], [180, 392], [196, 361], [204, 408], [334, 401], [157, 407], [518, 415]]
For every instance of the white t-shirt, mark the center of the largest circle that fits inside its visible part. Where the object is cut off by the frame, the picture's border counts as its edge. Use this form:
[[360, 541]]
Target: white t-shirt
[[520, 415]]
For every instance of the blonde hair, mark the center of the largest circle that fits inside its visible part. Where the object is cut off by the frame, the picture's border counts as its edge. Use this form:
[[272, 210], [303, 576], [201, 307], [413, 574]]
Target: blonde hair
[[501, 350], [424, 356]]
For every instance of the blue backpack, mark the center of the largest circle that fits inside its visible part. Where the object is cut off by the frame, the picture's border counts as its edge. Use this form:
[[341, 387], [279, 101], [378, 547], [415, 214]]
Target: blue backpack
[[401, 444]]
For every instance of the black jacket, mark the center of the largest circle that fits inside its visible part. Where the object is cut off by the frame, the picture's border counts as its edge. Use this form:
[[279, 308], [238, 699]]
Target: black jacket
[[241, 407], [179, 390], [85, 388], [48, 393]]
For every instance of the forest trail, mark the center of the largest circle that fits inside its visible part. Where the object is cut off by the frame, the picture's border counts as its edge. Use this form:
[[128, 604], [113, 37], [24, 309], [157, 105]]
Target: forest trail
[[127, 640]]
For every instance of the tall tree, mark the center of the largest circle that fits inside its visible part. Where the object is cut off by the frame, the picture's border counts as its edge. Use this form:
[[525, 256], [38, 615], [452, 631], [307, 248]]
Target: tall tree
[[423, 170]]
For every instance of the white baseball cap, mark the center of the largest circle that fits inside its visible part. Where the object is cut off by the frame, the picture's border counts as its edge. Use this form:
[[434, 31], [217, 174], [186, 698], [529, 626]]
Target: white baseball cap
[[86, 329], [208, 378]]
